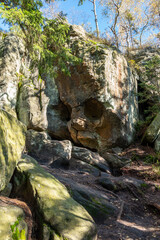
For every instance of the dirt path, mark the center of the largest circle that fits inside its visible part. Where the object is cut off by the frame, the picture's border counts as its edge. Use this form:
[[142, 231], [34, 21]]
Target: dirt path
[[138, 215]]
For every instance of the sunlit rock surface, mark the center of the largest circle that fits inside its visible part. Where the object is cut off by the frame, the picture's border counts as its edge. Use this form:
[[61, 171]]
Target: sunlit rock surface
[[101, 95], [12, 142]]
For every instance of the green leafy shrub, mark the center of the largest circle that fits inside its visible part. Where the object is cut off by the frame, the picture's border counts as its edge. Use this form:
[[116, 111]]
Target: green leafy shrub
[[150, 88], [45, 39], [152, 158]]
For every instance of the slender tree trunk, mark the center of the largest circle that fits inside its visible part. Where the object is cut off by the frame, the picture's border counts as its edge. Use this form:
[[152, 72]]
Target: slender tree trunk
[[95, 16]]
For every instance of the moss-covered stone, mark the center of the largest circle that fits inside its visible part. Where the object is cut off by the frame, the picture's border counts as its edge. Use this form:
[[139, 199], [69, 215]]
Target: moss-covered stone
[[12, 142], [153, 130], [55, 206], [9, 215]]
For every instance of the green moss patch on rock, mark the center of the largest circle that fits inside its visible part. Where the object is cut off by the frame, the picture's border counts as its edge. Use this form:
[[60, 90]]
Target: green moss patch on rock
[[153, 130], [53, 203], [12, 142]]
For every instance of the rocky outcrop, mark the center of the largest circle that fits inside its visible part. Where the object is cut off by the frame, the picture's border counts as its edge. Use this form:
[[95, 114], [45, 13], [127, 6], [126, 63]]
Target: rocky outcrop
[[24, 93], [95, 107], [53, 204], [100, 93], [40, 108], [12, 59], [32, 104], [12, 142]]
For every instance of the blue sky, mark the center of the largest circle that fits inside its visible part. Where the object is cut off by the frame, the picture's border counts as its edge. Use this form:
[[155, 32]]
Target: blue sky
[[83, 13]]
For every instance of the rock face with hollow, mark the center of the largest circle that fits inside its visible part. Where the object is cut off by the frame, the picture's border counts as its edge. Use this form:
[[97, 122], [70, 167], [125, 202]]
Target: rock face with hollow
[[100, 93], [95, 106]]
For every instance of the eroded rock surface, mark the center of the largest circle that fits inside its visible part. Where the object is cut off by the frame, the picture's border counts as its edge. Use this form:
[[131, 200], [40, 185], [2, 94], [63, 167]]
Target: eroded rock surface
[[90, 157], [11, 60], [12, 142], [101, 94], [40, 108], [40, 146], [95, 202], [96, 106]]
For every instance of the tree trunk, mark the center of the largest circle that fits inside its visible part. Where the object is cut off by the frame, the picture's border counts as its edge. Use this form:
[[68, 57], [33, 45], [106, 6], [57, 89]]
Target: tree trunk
[[95, 16]]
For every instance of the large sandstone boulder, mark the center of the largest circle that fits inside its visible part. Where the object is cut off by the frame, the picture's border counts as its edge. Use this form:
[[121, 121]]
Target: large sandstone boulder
[[12, 52], [24, 93], [54, 205], [94, 201], [40, 108], [12, 142], [100, 93], [32, 104]]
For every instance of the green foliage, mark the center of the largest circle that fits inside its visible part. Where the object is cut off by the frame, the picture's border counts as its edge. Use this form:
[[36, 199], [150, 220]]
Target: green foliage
[[16, 233], [45, 40], [152, 158], [149, 91], [150, 82]]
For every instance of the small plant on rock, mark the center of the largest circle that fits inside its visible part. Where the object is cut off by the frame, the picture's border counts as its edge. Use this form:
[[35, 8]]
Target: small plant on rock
[[16, 233]]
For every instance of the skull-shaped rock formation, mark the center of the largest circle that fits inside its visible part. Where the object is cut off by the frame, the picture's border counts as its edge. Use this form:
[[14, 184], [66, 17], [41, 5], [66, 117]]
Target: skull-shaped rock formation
[[100, 94]]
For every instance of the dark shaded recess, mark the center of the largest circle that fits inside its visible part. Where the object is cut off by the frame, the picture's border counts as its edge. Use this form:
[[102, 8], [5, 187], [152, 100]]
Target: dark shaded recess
[[93, 109], [64, 113], [142, 106], [27, 197]]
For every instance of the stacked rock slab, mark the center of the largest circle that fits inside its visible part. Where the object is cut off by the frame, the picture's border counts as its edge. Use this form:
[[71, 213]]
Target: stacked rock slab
[[100, 93]]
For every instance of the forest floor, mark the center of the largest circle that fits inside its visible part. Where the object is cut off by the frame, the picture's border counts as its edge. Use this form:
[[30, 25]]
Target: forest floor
[[139, 211], [140, 215]]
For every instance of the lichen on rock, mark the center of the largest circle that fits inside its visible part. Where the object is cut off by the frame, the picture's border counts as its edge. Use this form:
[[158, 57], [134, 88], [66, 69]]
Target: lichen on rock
[[12, 142]]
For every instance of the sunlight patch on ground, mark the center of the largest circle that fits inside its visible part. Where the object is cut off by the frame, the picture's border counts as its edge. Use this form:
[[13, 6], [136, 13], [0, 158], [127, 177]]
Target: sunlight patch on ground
[[139, 227]]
